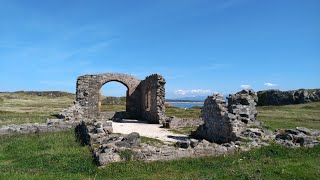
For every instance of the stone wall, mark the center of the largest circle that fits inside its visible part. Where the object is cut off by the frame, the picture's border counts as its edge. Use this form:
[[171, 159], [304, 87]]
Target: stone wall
[[224, 123], [108, 148], [153, 98], [277, 97], [88, 93], [52, 125], [144, 99], [243, 105]]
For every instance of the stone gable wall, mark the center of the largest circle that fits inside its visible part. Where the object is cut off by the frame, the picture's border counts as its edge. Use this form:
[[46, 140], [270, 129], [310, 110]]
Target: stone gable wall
[[224, 123], [153, 98]]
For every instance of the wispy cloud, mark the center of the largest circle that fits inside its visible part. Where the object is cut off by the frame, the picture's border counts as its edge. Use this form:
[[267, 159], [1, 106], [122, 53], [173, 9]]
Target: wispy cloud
[[245, 86], [270, 84], [193, 92]]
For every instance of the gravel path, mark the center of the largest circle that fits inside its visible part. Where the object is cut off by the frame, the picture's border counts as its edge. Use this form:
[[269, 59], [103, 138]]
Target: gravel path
[[148, 130]]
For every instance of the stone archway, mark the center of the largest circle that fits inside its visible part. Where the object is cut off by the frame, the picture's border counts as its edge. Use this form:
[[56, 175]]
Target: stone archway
[[88, 96]]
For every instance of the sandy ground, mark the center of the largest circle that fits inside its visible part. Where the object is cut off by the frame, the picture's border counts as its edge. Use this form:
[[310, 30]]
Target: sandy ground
[[148, 130]]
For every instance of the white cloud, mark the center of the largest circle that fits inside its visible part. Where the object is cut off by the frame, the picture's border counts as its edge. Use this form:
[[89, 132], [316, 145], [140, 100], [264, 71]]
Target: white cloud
[[192, 92], [270, 84], [245, 86]]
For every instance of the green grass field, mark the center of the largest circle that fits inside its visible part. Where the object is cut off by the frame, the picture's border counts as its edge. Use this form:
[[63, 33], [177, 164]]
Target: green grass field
[[290, 116], [108, 108], [60, 156], [181, 113], [17, 108]]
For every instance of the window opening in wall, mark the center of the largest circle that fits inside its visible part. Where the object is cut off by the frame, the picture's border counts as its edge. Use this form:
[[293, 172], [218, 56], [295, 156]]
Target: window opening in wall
[[148, 100]]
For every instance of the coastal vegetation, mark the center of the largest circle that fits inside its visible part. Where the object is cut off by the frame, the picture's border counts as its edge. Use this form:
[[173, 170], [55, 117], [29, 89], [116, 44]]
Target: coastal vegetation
[[58, 155]]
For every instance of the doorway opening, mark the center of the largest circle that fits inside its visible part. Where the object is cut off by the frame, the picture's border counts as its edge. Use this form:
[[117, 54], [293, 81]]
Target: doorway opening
[[112, 97]]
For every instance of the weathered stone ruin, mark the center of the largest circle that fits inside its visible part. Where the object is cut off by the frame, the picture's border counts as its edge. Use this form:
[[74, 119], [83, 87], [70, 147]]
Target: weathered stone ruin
[[108, 147], [144, 99], [220, 130], [243, 106], [222, 124], [225, 123]]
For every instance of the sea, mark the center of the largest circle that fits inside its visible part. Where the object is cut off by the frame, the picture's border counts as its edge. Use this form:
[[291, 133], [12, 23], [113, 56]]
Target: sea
[[185, 104]]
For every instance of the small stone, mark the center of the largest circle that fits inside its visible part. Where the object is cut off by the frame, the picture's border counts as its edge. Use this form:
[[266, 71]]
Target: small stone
[[107, 123], [133, 139], [108, 129], [194, 142], [106, 158], [292, 131], [254, 143], [122, 144], [110, 146], [304, 130], [99, 130], [226, 145], [284, 136], [183, 144], [300, 140], [237, 143], [315, 133], [99, 125]]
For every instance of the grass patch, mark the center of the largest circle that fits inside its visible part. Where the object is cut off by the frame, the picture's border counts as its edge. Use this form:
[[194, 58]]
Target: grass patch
[[290, 116], [183, 130], [114, 107], [181, 113], [59, 156], [44, 156], [17, 108], [151, 141], [126, 154]]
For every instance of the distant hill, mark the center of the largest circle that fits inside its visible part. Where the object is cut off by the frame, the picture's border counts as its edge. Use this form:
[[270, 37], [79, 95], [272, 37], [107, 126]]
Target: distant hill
[[43, 93]]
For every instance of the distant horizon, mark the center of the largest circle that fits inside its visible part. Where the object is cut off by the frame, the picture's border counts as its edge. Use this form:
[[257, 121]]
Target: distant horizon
[[199, 47], [167, 98]]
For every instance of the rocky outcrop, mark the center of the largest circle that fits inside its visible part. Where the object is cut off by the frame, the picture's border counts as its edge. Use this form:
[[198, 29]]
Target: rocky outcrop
[[224, 123], [298, 137], [277, 97]]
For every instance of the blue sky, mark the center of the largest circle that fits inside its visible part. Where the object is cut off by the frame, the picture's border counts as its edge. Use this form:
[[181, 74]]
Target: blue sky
[[199, 46]]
